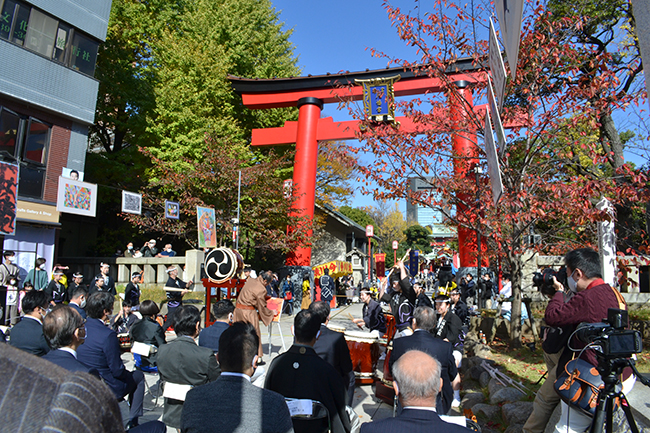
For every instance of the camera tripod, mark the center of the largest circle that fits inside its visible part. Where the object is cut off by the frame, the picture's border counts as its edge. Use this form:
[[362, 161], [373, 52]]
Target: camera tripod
[[610, 370]]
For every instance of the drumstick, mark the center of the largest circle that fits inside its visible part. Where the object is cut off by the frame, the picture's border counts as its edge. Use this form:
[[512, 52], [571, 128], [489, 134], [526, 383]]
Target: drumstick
[[351, 317], [391, 271], [173, 289]]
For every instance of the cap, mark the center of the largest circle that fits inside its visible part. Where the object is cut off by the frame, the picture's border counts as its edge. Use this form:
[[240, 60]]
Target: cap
[[171, 268]]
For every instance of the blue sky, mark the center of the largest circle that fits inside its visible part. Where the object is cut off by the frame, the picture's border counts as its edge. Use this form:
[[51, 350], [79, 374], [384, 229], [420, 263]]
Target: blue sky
[[336, 35]]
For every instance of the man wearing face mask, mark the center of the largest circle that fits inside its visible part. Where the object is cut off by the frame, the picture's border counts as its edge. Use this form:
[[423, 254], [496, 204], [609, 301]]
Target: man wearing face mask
[[78, 300], [223, 313], [28, 333], [593, 297], [65, 331]]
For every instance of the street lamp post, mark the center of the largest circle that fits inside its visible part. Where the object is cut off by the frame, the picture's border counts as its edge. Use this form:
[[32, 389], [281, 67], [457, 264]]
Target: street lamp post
[[481, 301]]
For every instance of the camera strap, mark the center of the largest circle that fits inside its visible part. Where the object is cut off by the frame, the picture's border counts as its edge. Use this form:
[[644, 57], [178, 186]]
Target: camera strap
[[621, 301]]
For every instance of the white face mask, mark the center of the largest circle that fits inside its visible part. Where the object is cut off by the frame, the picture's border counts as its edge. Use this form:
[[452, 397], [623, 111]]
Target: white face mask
[[130, 247], [11, 259], [42, 266], [573, 284], [82, 303]]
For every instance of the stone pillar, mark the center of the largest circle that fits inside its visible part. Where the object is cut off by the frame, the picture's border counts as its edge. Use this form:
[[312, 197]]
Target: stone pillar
[[193, 261]]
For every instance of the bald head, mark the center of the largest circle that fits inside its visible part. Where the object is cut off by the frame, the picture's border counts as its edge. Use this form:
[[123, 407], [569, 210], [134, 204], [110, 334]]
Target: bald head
[[417, 376]]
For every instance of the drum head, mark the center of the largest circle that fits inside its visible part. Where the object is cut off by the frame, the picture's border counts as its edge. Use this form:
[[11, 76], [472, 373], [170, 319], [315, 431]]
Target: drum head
[[220, 265]]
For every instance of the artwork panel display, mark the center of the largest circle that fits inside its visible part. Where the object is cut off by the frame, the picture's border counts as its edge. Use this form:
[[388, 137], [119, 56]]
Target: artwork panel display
[[131, 202], [207, 229], [172, 210], [76, 197], [8, 197]]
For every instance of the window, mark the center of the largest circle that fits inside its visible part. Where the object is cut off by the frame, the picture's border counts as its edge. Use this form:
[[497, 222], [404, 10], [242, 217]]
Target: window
[[41, 33], [9, 127], [38, 137], [25, 140], [84, 54], [44, 34]]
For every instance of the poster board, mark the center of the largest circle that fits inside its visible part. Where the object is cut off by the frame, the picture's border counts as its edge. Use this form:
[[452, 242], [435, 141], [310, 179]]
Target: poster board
[[206, 226], [172, 210], [75, 197], [131, 202], [8, 197]]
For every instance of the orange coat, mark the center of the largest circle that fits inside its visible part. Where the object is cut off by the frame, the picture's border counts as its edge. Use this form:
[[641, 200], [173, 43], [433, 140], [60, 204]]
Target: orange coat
[[253, 294]]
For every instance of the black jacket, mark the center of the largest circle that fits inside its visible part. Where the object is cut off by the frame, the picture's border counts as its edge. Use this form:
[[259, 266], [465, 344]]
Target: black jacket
[[28, 336], [149, 332], [332, 347]]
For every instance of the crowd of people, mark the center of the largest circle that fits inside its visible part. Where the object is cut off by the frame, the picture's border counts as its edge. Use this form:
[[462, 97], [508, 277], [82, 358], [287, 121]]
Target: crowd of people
[[76, 331]]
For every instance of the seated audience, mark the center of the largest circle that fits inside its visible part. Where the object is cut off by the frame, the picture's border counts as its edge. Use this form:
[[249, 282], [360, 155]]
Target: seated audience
[[78, 300], [332, 347], [101, 351], [148, 331], [28, 333], [301, 373], [167, 251], [65, 331], [223, 313], [247, 408], [417, 383], [424, 322], [183, 362], [122, 321]]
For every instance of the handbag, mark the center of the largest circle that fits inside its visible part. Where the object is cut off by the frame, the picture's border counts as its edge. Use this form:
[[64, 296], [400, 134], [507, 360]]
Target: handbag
[[288, 296], [579, 385]]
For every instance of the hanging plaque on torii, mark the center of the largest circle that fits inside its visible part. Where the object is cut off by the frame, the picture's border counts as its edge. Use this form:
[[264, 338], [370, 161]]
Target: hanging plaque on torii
[[311, 92]]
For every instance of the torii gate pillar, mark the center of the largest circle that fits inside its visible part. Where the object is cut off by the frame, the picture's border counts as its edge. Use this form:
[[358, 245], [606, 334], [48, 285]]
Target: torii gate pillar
[[304, 172]]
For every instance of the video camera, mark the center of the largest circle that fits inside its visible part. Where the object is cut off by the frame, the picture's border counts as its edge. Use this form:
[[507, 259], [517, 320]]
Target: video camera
[[611, 336], [544, 280]]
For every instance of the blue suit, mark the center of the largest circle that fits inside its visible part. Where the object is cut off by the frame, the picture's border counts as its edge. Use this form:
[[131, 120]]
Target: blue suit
[[101, 351], [78, 308], [67, 360], [28, 336], [209, 337]]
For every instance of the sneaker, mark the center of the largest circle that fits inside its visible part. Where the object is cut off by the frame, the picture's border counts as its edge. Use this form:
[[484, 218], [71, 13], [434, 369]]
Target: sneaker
[[455, 403]]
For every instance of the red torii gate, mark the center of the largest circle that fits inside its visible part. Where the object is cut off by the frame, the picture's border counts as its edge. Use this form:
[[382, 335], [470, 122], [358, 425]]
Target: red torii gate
[[311, 92]]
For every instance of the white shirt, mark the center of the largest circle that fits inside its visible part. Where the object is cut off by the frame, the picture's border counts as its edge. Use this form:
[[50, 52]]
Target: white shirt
[[67, 349], [432, 409], [229, 373], [34, 318]]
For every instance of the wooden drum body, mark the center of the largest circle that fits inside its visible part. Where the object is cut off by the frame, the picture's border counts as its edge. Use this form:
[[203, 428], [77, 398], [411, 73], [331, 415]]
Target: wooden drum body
[[364, 351]]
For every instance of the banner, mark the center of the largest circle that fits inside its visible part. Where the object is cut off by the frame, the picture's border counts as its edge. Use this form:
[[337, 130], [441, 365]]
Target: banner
[[206, 226], [380, 264], [337, 268], [8, 197]]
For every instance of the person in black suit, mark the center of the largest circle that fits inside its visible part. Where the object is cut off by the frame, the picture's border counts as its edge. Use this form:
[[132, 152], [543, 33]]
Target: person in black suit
[[247, 408], [174, 298], [101, 351], [78, 299], [450, 328], [417, 383], [183, 362], [301, 373], [458, 307], [332, 347], [373, 316], [223, 313], [28, 333], [422, 300], [56, 289], [148, 331], [65, 331], [424, 322]]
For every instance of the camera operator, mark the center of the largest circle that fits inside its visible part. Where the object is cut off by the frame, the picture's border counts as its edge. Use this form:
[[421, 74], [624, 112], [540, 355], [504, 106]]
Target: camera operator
[[593, 297]]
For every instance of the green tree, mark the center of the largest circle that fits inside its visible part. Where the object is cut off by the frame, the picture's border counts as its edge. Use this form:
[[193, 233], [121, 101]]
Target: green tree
[[335, 170], [418, 238], [390, 227], [357, 215]]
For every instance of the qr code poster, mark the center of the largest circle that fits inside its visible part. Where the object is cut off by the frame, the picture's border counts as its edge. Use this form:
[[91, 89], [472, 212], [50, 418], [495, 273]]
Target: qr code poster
[[172, 210], [131, 202], [76, 197]]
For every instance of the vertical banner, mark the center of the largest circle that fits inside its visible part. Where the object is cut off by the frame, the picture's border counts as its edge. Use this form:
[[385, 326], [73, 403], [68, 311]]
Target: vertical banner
[[414, 262], [207, 229], [8, 197], [380, 263]]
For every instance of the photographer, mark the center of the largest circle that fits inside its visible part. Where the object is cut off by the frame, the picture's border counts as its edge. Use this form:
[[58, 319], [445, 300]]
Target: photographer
[[593, 297]]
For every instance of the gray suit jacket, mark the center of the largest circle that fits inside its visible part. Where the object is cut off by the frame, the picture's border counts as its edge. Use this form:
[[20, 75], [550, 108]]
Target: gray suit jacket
[[46, 397], [242, 408], [182, 361]]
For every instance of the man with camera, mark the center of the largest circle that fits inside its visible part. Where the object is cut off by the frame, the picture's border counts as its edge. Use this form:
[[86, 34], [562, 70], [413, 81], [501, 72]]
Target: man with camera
[[592, 298]]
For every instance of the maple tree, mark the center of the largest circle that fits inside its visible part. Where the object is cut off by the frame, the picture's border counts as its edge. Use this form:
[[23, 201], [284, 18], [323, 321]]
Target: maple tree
[[212, 182], [390, 226], [550, 187]]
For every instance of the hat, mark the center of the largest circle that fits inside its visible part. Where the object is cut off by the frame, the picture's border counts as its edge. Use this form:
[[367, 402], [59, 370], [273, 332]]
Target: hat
[[57, 271], [169, 269], [135, 274], [77, 275], [152, 241], [455, 291]]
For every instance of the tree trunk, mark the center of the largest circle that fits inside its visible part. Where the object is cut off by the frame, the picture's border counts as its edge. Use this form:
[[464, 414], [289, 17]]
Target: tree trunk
[[611, 141], [516, 267]]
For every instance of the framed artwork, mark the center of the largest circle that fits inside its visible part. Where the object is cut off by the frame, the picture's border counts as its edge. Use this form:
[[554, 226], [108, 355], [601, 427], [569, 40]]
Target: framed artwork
[[131, 202], [76, 197], [172, 210], [206, 226], [8, 197], [72, 174]]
